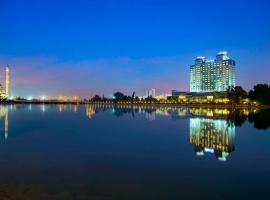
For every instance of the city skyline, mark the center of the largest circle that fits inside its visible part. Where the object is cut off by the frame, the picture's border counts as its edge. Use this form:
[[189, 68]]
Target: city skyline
[[99, 48]]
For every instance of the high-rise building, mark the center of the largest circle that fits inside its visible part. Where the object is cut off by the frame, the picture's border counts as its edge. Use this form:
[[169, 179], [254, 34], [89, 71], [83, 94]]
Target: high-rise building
[[212, 75]]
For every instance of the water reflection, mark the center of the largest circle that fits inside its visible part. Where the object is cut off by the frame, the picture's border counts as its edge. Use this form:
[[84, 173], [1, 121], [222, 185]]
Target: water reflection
[[4, 117], [212, 136], [212, 130], [80, 151], [89, 111], [260, 119], [232, 117], [62, 107]]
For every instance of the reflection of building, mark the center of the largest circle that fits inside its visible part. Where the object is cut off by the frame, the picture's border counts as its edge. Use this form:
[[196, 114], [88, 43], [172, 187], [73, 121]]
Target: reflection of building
[[75, 107], [209, 112], [89, 110], [209, 76], [151, 116], [4, 115], [6, 126], [61, 107], [212, 136]]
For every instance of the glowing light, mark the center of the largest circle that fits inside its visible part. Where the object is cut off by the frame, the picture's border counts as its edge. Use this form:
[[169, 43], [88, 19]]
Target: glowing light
[[43, 108], [210, 98], [209, 150], [182, 97], [200, 153], [43, 97], [29, 98], [223, 159]]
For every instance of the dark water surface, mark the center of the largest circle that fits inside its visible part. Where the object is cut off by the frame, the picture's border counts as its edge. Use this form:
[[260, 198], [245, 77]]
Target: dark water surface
[[106, 152]]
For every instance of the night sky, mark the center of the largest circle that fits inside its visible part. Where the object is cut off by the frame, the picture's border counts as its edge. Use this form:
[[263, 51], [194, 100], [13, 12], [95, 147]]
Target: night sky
[[87, 47]]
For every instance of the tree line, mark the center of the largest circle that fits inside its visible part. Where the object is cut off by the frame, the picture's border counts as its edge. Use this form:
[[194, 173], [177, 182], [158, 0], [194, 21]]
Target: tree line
[[120, 97], [260, 93]]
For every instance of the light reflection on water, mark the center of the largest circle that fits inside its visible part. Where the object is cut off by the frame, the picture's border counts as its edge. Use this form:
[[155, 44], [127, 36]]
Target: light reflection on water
[[4, 116], [98, 151], [212, 136]]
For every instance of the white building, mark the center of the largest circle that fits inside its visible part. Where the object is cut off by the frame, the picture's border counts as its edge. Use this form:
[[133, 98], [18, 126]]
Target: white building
[[212, 75], [151, 93]]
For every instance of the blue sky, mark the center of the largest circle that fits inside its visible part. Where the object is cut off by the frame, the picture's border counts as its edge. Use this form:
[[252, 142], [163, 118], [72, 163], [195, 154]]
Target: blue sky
[[87, 47]]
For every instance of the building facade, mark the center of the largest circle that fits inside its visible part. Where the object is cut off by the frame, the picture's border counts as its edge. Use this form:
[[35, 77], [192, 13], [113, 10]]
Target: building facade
[[212, 75]]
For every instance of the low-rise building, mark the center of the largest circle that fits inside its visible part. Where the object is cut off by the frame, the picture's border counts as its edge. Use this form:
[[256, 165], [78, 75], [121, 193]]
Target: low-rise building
[[217, 97]]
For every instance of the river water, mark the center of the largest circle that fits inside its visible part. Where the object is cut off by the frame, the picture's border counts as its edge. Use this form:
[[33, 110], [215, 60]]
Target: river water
[[105, 152]]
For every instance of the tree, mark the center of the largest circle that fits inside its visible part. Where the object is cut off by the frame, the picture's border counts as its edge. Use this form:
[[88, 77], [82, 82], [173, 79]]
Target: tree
[[119, 96], [96, 98], [260, 119], [133, 95], [150, 99], [260, 93], [236, 118], [137, 99], [236, 94]]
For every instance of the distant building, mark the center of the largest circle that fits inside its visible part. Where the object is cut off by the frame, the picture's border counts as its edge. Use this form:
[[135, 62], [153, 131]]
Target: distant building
[[151, 93], [212, 75], [176, 93], [162, 96], [2, 92], [200, 97]]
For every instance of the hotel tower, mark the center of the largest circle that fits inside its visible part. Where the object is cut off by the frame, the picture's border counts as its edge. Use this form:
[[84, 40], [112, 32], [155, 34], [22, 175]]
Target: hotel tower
[[212, 75]]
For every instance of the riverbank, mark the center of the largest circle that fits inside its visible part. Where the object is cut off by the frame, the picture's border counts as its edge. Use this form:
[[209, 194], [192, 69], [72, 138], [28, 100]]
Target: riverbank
[[191, 105], [220, 106]]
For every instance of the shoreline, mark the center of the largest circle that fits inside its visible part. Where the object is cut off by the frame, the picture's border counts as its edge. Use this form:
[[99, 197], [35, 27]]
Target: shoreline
[[220, 106]]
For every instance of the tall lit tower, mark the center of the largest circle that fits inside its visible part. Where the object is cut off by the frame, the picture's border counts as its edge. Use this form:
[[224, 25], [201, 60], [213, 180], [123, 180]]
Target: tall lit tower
[[7, 81], [212, 75]]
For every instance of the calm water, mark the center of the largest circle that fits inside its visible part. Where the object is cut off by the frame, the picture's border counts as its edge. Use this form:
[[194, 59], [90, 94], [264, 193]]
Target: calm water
[[105, 152]]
